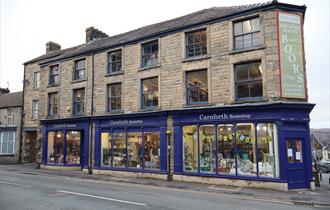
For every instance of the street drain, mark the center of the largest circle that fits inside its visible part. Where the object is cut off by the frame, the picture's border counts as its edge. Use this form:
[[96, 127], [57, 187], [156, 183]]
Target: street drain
[[302, 203]]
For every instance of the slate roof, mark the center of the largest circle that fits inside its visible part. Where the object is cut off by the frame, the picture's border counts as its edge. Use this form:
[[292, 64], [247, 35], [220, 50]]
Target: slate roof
[[158, 29], [323, 136], [11, 100]]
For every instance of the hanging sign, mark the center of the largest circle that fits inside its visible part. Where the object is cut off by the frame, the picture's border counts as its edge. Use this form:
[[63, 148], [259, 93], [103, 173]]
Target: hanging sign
[[291, 56]]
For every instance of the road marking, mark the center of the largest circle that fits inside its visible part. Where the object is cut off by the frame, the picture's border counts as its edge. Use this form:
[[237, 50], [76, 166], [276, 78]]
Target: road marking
[[103, 198], [14, 184]]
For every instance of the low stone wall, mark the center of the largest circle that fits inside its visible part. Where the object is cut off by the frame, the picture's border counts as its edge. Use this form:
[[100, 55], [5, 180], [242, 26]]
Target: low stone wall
[[232, 182], [128, 174]]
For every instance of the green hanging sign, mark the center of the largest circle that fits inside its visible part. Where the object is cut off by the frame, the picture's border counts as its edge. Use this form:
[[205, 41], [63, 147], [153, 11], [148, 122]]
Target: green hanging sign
[[291, 56]]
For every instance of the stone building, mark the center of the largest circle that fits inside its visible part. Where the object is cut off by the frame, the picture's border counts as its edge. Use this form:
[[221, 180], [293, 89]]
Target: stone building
[[10, 126], [216, 96]]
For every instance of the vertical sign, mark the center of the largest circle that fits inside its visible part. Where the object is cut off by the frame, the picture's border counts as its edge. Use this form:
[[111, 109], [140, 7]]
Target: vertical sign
[[291, 56]]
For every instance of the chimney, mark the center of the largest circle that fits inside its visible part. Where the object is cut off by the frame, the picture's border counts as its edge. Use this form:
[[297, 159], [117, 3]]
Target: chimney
[[52, 46], [93, 33]]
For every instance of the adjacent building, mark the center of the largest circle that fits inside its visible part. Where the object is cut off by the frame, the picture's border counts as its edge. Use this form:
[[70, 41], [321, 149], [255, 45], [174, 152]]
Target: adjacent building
[[216, 96], [10, 126], [320, 139]]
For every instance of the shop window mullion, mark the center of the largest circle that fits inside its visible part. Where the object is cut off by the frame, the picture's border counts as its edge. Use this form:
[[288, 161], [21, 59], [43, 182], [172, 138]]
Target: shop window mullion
[[126, 162], [111, 150], [142, 151], [216, 150], [256, 147], [64, 147], [198, 150], [235, 149]]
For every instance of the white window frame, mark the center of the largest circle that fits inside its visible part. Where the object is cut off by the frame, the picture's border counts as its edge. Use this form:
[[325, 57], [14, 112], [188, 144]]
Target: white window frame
[[36, 80], [2, 142], [35, 110], [9, 117]]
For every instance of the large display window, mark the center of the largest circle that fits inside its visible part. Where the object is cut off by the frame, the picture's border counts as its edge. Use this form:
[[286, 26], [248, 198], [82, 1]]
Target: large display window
[[226, 149], [64, 147], [132, 149], [244, 149]]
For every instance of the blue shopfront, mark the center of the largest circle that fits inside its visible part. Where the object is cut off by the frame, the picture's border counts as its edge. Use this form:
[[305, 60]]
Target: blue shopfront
[[131, 142], [66, 142], [262, 143]]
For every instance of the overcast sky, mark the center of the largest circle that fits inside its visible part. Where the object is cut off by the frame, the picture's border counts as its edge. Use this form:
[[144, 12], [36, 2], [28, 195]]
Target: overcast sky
[[26, 26]]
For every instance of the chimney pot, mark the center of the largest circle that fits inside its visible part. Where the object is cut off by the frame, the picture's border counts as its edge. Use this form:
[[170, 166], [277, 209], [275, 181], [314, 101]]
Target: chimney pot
[[52, 46], [93, 33]]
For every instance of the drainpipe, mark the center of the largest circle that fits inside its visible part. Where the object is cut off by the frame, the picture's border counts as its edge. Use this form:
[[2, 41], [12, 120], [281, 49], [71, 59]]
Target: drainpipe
[[21, 129], [90, 150]]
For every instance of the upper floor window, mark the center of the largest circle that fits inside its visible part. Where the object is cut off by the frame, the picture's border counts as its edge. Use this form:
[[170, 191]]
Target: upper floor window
[[52, 104], [35, 109], [114, 97], [10, 117], [248, 80], [150, 95], [78, 101], [197, 87], [114, 61], [54, 75], [80, 69], [247, 33], [36, 80], [196, 43], [150, 54]]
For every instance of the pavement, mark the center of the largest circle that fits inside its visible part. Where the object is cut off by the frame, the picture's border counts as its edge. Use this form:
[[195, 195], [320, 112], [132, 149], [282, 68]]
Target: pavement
[[304, 198]]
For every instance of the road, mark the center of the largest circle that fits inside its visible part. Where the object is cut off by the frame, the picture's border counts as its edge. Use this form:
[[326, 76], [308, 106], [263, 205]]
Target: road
[[21, 190]]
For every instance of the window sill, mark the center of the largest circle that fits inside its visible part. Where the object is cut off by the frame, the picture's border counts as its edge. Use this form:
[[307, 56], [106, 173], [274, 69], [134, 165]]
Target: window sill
[[7, 155], [54, 85], [250, 100], [197, 105], [259, 47], [78, 80], [34, 119], [196, 58], [118, 111], [154, 108], [52, 116], [78, 115], [149, 67], [114, 74]]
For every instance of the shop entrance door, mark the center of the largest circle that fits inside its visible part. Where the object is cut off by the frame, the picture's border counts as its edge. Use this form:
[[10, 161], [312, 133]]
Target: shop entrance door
[[296, 164], [74, 152]]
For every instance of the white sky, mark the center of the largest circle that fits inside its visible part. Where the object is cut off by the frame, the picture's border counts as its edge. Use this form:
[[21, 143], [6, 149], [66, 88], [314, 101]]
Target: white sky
[[26, 26]]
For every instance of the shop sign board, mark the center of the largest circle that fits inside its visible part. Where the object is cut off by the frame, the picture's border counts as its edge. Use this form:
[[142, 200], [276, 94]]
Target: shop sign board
[[292, 69]]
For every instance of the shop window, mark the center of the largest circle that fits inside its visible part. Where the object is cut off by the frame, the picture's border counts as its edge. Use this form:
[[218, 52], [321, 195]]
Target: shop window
[[114, 97], [197, 87], [150, 94], [55, 147], [246, 149], [150, 54], [151, 150], [207, 149], [106, 157], [190, 148], [248, 80], [247, 33], [54, 75], [78, 101], [35, 109], [196, 43], [52, 104], [226, 149], [119, 149], [7, 142], [294, 150], [114, 61], [36, 80], [268, 162], [73, 147], [79, 69], [134, 149]]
